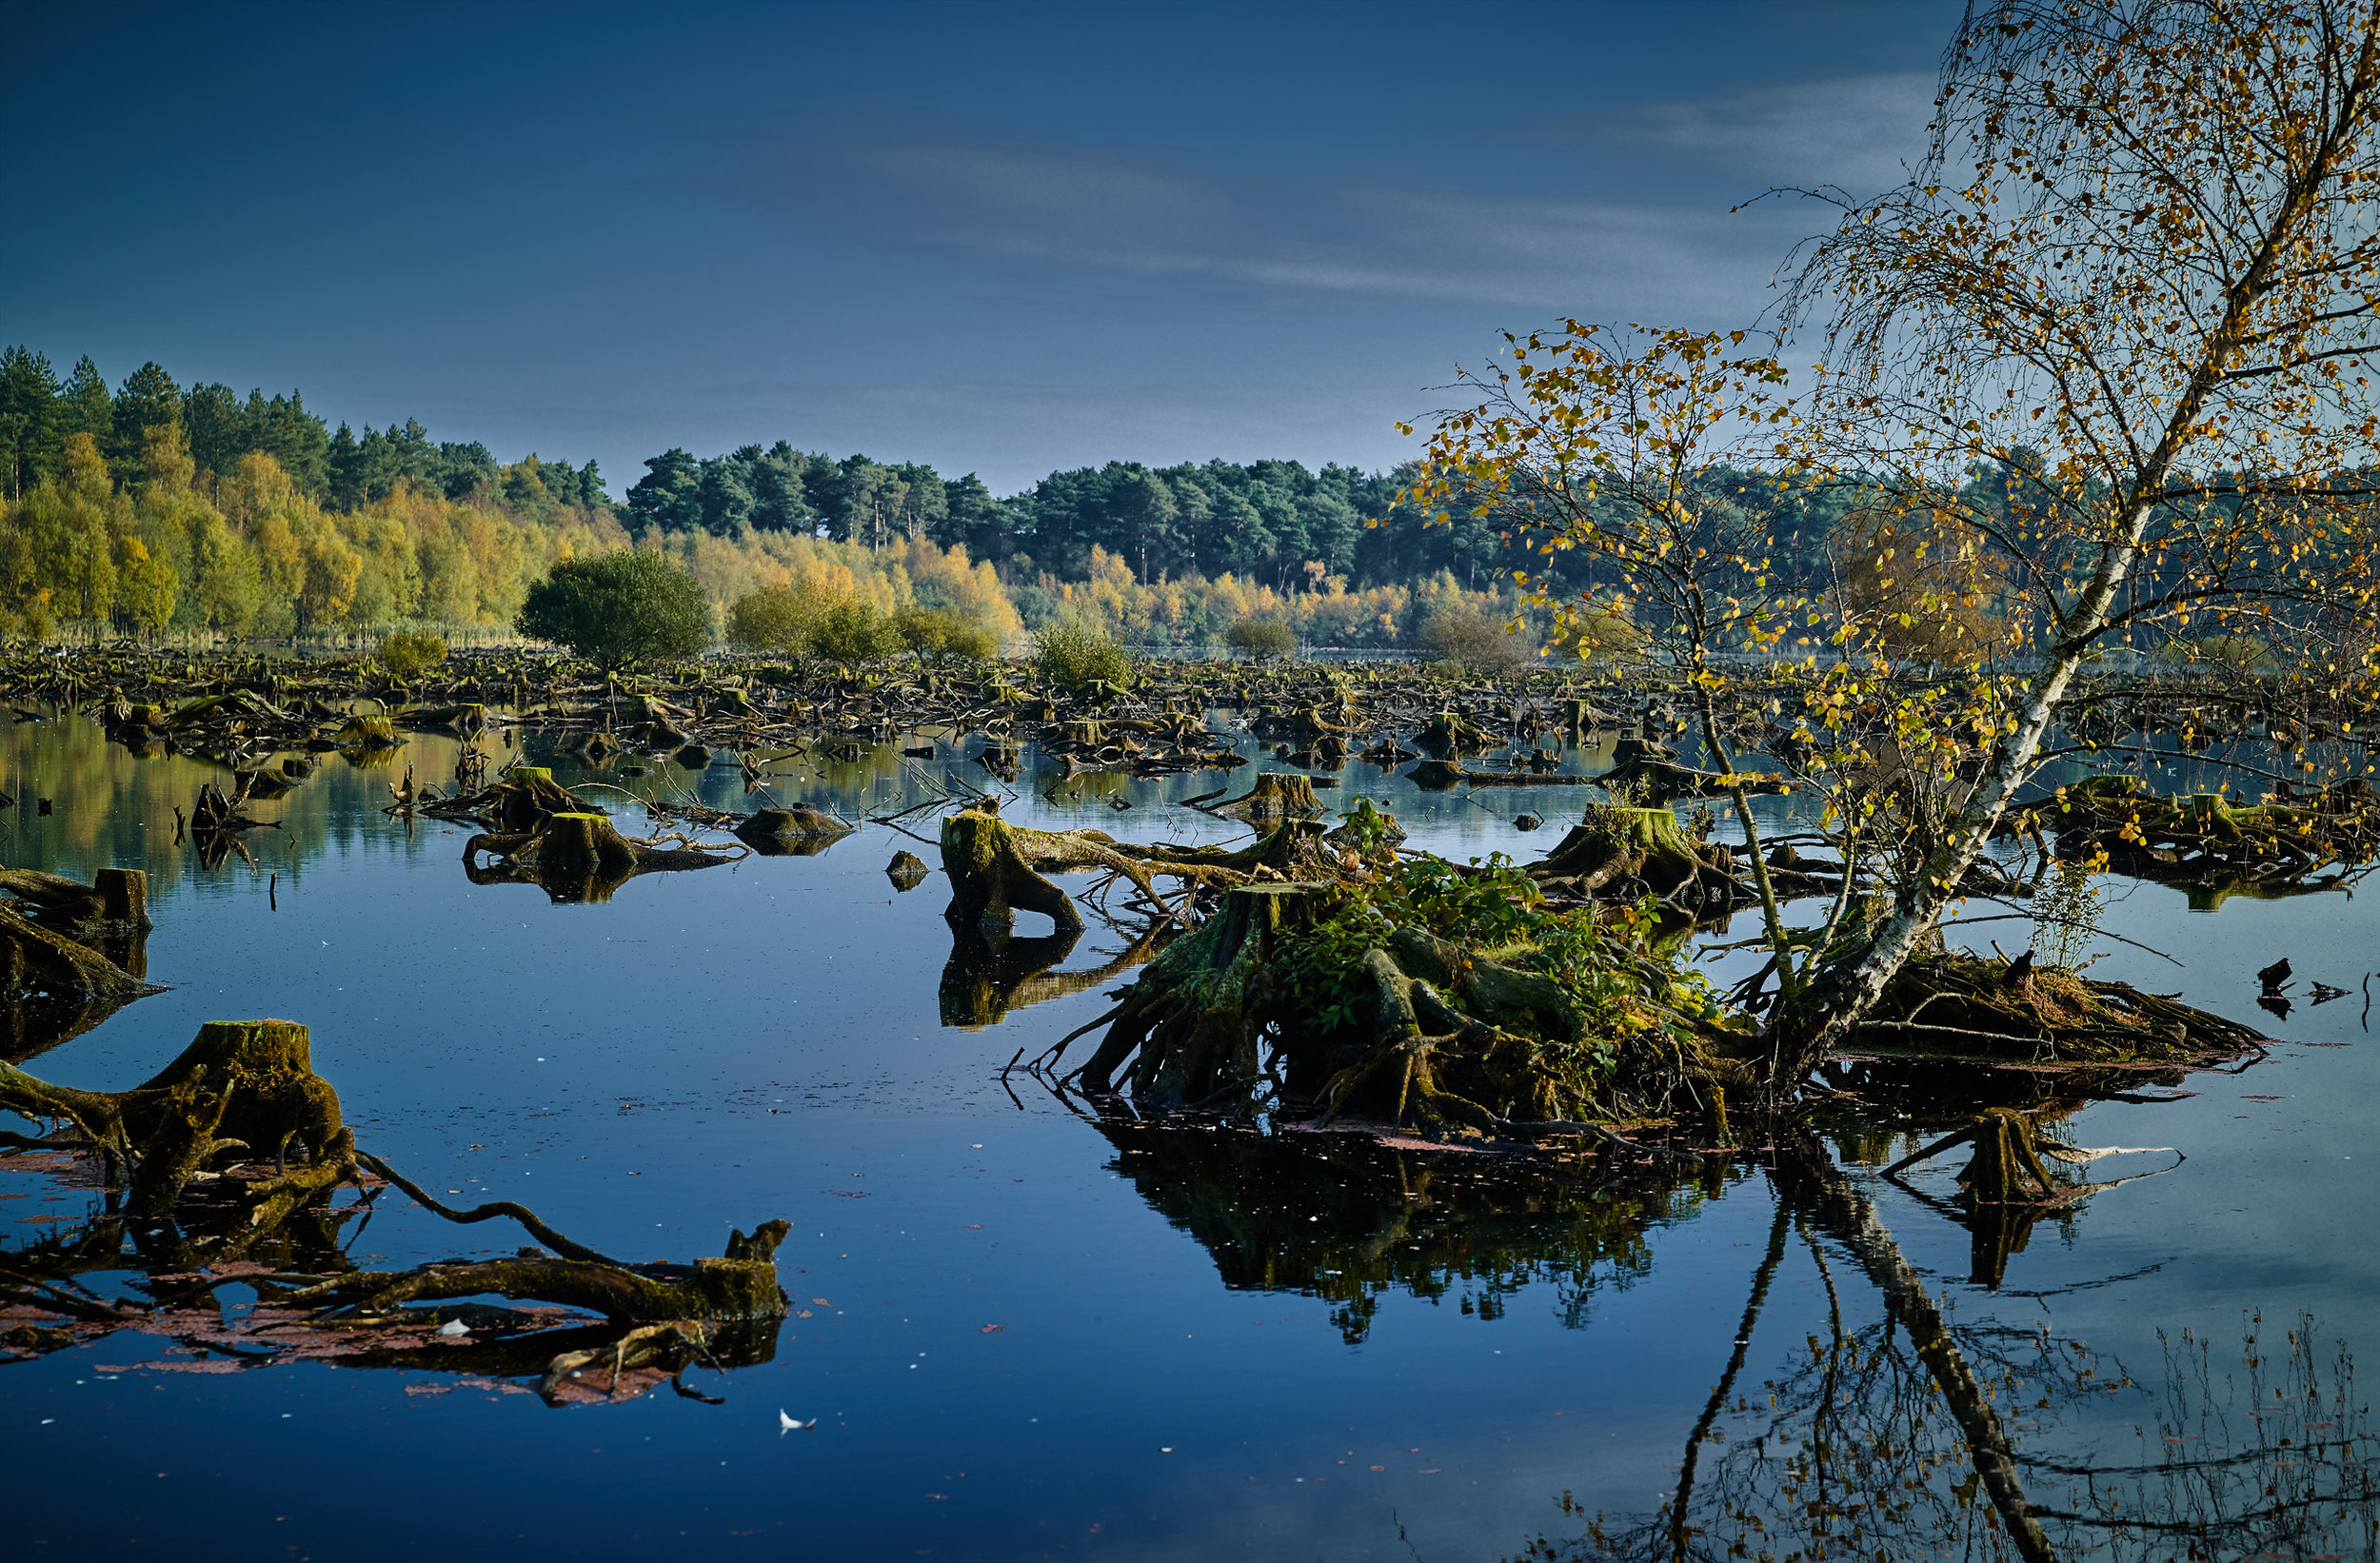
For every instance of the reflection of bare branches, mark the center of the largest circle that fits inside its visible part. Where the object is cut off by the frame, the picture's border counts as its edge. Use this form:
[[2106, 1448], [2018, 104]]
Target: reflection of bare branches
[[1900, 1439]]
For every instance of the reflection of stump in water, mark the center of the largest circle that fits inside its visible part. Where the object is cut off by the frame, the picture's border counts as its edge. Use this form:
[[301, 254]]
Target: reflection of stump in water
[[576, 858], [988, 976], [1346, 1219], [235, 1148], [2005, 1187]]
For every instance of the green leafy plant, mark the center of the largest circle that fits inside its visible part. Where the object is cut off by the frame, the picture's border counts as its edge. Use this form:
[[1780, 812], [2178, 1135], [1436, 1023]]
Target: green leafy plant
[[940, 633], [853, 633], [1071, 651], [409, 653]]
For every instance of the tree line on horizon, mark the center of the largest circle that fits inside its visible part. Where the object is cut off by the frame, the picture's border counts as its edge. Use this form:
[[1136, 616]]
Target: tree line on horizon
[[154, 509]]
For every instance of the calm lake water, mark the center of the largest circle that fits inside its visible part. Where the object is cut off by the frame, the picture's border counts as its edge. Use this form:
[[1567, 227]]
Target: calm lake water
[[1028, 1332]]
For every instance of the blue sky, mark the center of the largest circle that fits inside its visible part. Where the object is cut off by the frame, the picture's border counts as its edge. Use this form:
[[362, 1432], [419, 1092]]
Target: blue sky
[[1003, 237]]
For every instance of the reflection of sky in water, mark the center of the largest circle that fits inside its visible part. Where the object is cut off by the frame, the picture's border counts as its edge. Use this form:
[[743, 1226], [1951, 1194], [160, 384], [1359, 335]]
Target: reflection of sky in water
[[714, 1048]]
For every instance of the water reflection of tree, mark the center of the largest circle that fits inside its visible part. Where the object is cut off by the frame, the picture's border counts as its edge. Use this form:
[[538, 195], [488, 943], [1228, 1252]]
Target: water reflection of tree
[[1347, 1218], [1908, 1436], [113, 809]]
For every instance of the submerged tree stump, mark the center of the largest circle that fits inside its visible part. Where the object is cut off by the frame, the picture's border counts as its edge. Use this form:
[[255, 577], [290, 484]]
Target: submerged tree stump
[[118, 894], [526, 795], [798, 823], [1452, 733], [577, 856]]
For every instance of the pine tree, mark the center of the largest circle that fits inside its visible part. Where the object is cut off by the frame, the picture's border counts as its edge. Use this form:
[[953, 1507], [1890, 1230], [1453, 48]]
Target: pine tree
[[147, 399], [86, 408], [347, 470], [29, 420]]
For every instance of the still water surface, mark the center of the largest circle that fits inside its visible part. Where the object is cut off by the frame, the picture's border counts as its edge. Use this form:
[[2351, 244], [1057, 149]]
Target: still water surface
[[1026, 1333]]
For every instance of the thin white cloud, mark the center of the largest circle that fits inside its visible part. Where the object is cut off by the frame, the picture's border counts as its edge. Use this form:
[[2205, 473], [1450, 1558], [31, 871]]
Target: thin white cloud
[[1043, 208], [1855, 132]]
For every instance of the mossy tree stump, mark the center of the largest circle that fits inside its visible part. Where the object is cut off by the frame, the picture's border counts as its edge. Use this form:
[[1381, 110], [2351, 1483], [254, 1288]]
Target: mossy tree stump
[[1614, 850], [241, 1086], [1275, 795], [798, 823], [1452, 733], [991, 882]]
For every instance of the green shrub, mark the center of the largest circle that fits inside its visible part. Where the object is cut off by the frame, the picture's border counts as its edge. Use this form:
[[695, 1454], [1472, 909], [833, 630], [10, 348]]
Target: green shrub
[[617, 609], [409, 653], [938, 632], [783, 619], [1261, 637], [1070, 651], [1476, 639], [854, 632]]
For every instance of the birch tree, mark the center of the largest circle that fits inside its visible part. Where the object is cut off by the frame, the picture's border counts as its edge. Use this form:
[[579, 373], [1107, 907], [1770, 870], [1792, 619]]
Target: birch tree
[[2140, 256]]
